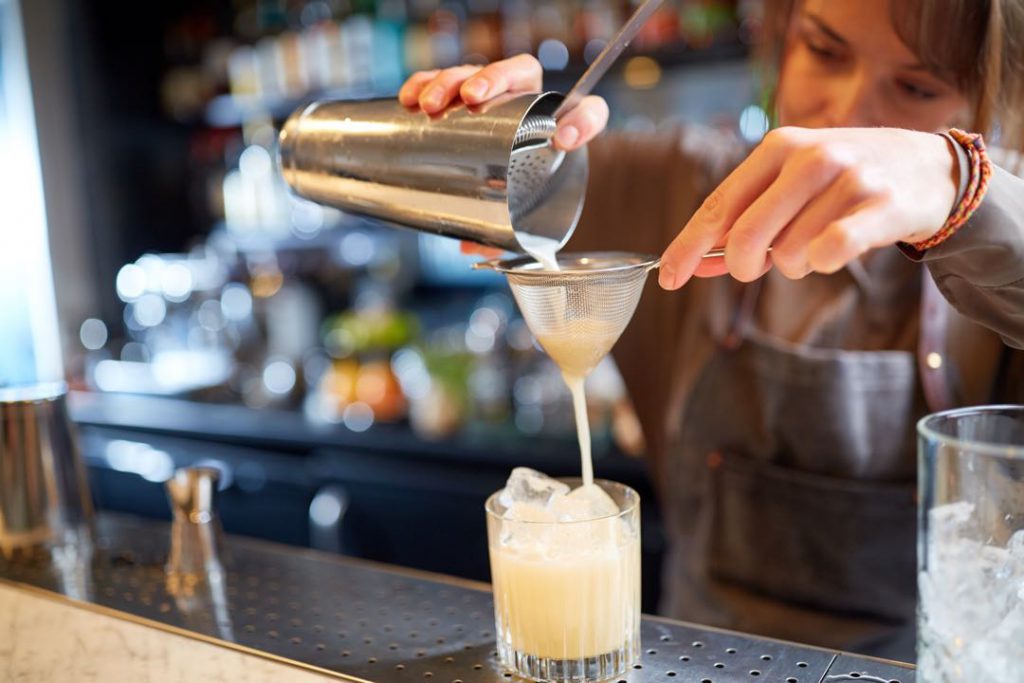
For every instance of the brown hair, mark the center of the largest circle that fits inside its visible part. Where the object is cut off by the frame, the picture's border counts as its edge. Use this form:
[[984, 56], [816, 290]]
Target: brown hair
[[977, 44]]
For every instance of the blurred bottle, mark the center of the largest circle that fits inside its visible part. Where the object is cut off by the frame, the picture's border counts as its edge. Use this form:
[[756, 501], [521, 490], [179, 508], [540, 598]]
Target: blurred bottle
[[388, 45], [516, 27], [444, 27], [481, 36]]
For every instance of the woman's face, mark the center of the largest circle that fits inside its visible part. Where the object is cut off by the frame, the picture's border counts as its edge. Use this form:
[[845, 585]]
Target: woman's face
[[845, 66]]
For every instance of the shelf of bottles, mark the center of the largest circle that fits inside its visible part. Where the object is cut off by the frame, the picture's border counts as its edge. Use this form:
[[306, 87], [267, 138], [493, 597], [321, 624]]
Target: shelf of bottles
[[267, 56]]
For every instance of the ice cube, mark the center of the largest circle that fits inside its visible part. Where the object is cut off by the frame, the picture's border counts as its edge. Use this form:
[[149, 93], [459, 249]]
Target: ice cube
[[1016, 545], [972, 601], [528, 512], [952, 520], [525, 485], [584, 503]]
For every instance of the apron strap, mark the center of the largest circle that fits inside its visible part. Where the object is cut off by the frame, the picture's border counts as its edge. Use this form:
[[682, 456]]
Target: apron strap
[[931, 345]]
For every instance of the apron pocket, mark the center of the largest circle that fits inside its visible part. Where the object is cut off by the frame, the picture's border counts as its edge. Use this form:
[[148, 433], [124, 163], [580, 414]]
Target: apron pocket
[[824, 542]]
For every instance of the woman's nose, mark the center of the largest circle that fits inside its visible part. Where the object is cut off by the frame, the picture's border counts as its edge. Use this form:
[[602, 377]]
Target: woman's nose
[[853, 102]]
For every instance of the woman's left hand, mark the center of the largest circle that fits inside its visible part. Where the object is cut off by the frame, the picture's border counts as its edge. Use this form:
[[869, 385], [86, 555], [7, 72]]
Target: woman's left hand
[[819, 198]]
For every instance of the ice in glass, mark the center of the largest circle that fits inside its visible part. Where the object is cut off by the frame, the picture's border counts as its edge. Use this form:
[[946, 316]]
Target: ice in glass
[[565, 564]]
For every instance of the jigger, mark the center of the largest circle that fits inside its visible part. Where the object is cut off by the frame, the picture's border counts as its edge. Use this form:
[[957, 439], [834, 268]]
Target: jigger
[[196, 536], [195, 572], [44, 493], [486, 173]]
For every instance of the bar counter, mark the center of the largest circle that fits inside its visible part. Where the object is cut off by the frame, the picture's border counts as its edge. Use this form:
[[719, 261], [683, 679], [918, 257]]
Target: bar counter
[[285, 614]]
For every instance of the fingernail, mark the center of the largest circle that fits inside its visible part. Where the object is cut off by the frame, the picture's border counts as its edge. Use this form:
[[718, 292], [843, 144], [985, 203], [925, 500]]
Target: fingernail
[[667, 277], [432, 97], [477, 88], [567, 136]]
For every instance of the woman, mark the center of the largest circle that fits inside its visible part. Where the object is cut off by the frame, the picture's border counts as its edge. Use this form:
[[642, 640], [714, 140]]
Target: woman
[[780, 414]]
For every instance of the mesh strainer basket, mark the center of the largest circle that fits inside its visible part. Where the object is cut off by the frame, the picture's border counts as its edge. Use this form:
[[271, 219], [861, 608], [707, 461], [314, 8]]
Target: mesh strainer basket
[[578, 312]]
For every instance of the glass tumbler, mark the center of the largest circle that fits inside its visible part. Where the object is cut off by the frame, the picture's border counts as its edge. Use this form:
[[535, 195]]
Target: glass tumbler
[[971, 545], [567, 594]]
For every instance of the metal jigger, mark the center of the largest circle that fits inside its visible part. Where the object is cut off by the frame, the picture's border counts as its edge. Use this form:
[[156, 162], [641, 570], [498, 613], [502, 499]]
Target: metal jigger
[[196, 536], [44, 492], [194, 573], [487, 173]]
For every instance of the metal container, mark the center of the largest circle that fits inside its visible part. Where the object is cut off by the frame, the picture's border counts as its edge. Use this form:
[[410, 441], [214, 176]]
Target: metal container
[[44, 493], [486, 174], [196, 536], [195, 572]]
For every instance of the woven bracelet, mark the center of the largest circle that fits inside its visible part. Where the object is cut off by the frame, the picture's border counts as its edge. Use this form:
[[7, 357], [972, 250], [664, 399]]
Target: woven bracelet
[[977, 186]]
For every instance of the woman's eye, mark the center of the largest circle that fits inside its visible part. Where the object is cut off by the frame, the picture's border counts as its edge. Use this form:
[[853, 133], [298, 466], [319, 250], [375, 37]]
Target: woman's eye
[[823, 53], [916, 91]]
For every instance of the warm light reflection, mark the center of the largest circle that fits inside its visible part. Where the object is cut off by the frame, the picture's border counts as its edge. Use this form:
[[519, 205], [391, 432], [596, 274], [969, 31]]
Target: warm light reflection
[[642, 73]]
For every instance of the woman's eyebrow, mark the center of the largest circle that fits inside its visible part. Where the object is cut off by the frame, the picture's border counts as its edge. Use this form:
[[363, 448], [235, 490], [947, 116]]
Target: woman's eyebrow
[[826, 29]]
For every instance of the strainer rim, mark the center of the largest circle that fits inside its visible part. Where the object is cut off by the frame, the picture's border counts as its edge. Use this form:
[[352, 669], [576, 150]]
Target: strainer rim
[[512, 266]]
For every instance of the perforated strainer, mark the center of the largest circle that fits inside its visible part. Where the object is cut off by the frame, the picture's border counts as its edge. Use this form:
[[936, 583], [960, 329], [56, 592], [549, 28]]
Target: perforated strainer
[[533, 165], [578, 312]]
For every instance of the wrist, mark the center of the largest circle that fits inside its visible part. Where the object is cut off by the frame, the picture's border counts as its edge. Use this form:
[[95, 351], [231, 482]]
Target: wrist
[[947, 184], [978, 170]]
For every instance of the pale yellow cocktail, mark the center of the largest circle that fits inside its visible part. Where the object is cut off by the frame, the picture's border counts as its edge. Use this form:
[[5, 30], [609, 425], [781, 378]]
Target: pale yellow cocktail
[[567, 593]]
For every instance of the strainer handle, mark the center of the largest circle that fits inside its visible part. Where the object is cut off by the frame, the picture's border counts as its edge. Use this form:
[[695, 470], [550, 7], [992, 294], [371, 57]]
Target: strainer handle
[[719, 252], [607, 57], [490, 264]]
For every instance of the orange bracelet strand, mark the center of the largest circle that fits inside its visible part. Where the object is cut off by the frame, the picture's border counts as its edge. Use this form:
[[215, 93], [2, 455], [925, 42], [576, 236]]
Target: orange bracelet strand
[[977, 186]]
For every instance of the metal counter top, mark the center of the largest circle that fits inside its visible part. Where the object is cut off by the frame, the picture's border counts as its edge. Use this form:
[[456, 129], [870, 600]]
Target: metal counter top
[[362, 621]]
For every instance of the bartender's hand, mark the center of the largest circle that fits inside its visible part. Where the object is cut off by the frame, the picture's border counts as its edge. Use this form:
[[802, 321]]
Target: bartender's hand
[[820, 198], [434, 90]]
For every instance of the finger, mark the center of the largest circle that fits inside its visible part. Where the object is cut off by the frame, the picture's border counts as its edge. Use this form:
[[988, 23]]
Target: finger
[[409, 94], [519, 73], [803, 176], [789, 249], [444, 88], [711, 267], [715, 216], [849, 237], [582, 124], [725, 204], [715, 267]]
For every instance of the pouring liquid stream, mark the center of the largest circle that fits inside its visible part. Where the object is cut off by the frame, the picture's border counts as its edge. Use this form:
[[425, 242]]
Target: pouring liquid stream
[[563, 351]]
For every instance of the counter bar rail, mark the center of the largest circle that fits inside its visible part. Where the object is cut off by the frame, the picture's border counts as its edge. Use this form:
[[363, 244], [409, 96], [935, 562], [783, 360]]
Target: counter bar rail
[[365, 621]]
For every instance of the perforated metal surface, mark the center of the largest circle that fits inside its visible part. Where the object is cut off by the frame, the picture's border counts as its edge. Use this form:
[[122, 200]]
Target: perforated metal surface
[[358, 619]]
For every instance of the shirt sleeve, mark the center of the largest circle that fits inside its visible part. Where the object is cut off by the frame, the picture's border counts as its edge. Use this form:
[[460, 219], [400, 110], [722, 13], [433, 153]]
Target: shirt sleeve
[[980, 269]]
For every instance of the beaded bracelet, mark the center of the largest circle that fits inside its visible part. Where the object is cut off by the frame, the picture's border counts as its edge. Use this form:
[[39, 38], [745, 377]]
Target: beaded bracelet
[[977, 186]]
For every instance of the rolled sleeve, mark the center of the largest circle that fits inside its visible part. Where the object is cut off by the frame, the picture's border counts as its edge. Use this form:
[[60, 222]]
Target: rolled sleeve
[[980, 269]]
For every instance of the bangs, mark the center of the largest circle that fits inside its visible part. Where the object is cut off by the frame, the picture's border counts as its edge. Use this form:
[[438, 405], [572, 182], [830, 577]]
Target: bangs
[[948, 37]]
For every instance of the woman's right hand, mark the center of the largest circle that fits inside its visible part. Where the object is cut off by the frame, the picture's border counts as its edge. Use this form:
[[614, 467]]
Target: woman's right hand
[[432, 91]]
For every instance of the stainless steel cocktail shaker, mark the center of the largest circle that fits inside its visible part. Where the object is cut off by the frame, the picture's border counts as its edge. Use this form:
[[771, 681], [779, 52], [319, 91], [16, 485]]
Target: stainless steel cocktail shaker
[[44, 493], [487, 174]]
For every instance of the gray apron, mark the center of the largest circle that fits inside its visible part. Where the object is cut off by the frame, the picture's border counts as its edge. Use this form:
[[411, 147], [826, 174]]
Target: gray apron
[[792, 507]]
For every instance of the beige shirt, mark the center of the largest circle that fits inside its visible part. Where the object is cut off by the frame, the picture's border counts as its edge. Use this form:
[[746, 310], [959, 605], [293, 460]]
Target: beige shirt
[[642, 191]]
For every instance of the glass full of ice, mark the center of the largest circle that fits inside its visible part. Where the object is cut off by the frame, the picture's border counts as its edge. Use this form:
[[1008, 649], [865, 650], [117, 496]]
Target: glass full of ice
[[971, 546], [565, 564]]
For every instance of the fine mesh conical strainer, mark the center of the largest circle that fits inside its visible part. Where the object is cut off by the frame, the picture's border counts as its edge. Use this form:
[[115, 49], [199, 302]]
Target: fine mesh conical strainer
[[578, 312]]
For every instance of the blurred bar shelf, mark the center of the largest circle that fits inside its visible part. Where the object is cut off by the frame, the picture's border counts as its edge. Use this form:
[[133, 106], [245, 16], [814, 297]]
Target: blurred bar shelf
[[288, 430], [231, 111]]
